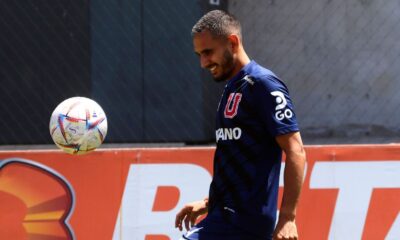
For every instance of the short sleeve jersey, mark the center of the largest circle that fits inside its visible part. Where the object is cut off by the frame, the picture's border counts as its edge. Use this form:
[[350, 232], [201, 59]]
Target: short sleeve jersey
[[254, 109]]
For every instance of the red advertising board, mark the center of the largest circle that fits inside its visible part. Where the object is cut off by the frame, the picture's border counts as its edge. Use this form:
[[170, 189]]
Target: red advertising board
[[350, 192]]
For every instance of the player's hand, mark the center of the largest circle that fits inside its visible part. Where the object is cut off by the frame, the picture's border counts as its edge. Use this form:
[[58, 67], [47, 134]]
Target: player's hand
[[189, 213], [286, 229]]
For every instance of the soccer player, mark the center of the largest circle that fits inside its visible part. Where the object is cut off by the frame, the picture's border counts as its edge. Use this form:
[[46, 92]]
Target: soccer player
[[255, 122]]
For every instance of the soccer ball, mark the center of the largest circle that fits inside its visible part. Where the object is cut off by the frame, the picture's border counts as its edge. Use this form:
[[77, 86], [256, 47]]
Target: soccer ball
[[78, 125]]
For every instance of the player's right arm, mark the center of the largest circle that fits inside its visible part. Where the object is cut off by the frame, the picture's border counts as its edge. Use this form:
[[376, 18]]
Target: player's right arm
[[292, 145], [190, 212]]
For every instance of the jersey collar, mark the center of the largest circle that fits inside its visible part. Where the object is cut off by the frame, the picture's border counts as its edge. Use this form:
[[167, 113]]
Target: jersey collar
[[243, 72]]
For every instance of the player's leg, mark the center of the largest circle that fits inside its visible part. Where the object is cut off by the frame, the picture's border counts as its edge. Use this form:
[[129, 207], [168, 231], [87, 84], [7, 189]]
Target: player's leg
[[216, 228], [197, 234], [192, 234]]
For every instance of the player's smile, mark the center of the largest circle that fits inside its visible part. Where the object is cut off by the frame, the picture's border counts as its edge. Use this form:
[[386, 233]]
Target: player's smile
[[213, 69]]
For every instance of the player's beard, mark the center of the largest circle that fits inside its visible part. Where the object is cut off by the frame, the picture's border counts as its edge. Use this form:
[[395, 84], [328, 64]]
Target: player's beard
[[227, 67]]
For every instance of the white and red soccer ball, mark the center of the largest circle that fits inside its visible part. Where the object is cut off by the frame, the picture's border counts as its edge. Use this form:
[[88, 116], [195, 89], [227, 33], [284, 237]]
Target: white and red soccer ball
[[78, 125]]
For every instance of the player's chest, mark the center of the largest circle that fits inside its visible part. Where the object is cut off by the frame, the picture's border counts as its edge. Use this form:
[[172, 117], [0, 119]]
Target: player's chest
[[235, 107], [229, 104]]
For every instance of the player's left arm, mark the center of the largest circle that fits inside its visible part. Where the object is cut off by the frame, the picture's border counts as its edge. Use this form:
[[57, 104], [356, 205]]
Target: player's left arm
[[292, 145]]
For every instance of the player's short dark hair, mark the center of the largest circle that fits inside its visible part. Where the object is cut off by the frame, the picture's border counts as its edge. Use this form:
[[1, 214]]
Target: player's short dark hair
[[219, 23]]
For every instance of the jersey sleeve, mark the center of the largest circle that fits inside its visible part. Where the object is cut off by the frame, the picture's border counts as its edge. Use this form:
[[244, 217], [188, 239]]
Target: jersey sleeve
[[274, 106]]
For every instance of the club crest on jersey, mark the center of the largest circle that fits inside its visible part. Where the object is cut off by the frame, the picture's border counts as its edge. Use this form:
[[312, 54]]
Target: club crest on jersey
[[281, 102], [232, 105]]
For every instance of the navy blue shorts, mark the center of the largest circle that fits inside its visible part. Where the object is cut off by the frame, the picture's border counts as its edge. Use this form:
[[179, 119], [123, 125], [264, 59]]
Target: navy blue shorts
[[216, 228]]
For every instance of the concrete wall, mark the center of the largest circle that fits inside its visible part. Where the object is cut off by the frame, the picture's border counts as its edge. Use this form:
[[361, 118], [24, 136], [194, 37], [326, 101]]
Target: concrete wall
[[339, 58]]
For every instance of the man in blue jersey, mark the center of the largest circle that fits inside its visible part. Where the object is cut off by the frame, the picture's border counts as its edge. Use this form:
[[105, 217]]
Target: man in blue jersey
[[255, 122]]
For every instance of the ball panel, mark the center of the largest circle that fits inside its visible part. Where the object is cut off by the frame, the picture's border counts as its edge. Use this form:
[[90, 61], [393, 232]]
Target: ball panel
[[78, 125]]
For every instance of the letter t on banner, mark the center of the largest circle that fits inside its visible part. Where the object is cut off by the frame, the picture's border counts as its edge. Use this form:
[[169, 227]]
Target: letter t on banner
[[137, 219], [355, 181]]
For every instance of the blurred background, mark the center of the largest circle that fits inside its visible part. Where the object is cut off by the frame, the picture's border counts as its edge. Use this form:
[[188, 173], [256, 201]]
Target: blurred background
[[339, 58]]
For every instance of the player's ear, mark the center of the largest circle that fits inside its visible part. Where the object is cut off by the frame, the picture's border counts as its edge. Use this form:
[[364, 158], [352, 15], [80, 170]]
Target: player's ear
[[234, 42]]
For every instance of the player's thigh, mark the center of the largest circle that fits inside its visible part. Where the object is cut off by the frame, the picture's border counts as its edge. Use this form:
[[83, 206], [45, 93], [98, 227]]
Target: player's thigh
[[193, 234], [211, 229]]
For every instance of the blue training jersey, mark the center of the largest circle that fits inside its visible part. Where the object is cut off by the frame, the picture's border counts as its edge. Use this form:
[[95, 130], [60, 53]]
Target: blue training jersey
[[254, 108]]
